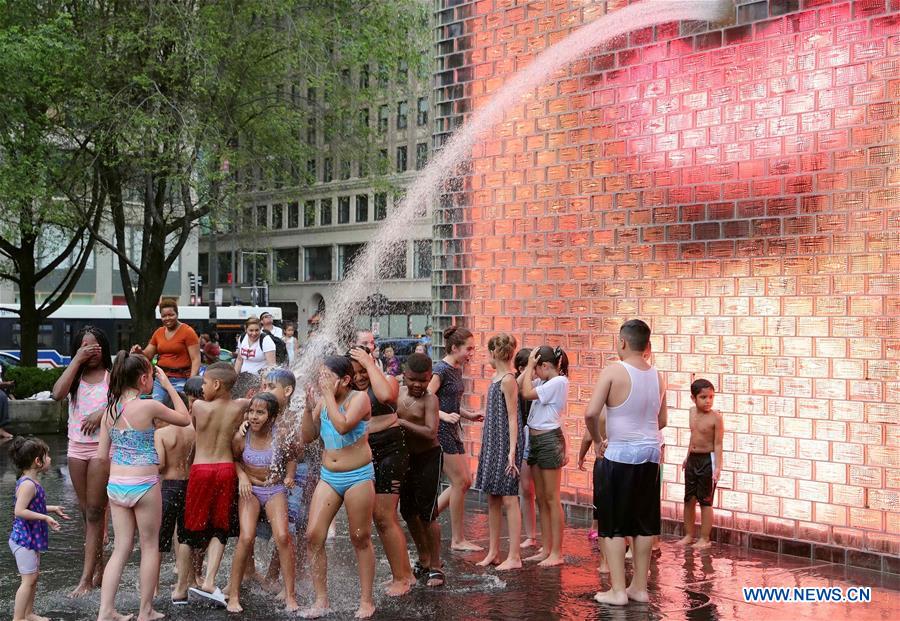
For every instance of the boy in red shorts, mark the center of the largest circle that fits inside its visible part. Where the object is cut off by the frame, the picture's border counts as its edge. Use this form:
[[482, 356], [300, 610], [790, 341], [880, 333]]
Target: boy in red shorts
[[209, 516]]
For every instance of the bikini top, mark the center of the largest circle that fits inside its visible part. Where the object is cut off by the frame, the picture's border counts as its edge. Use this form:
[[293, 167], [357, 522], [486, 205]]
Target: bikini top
[[260, 458], [132, 447], [379, 408], [334, 440]]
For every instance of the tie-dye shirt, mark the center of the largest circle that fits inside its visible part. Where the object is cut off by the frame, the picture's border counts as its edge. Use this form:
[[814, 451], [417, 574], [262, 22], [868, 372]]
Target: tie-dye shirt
[[91, 397], [32, 534]]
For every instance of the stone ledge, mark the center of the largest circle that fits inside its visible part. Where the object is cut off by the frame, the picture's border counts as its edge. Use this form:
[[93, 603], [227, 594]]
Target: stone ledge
[[32, 417]]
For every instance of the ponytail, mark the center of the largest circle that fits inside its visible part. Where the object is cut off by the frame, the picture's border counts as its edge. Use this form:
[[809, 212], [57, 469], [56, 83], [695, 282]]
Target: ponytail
[[456, 336], [126, 372], [556, 356]]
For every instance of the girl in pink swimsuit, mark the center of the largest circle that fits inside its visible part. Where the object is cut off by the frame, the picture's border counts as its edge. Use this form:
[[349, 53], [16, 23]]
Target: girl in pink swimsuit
[[86, 383]]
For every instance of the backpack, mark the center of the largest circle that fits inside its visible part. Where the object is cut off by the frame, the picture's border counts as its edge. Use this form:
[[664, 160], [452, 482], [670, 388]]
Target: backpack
[[281, 352]]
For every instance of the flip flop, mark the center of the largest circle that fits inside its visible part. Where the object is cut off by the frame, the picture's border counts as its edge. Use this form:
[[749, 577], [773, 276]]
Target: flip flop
[[179, 602], [216, 598], [419, 570], [435, 574]]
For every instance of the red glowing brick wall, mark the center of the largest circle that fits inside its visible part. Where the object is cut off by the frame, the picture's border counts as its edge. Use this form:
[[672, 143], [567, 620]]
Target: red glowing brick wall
[[737, 188]]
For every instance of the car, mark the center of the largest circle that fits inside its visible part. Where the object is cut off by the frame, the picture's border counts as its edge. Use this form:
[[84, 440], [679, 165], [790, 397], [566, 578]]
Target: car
[[8, 360], [403, 347]]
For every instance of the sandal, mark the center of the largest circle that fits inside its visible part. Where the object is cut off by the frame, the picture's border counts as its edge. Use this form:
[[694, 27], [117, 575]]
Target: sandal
[[419, 570], [435, 574]]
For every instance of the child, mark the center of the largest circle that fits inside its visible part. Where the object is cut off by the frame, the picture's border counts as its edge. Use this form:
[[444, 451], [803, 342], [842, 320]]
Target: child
[[174, 446], [133, 488], [498, 462], [417, 410], [547, 453], [703, 463], [246, 385], [209, 517], [586, 443], [292, 342], [193, 389], [526, 478], [391, 362], [341, 419], [30, 531], [86, 382], [593, 535], [257, 493]]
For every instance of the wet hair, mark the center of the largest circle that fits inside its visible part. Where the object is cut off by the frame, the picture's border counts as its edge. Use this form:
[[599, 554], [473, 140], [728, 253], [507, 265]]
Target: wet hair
[[223, 372], [271, 402], [502, 346], [252, 320], [168, 303], [127, 369], [699, 385], [418, 363], [167, 400], [456, 336], [244, 383], [521, 359], [24, 450], [193, 387], [283, 377], [105, 356], [339, 365], [556, 356], [636, 333]]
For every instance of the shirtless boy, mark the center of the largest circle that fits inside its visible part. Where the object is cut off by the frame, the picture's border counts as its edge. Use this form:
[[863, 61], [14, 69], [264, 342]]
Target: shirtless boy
[[209, 517], [703, 463], [417, 410]]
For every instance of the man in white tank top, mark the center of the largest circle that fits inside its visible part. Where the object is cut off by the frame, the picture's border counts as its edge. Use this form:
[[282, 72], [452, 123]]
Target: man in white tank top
[[634, 395]]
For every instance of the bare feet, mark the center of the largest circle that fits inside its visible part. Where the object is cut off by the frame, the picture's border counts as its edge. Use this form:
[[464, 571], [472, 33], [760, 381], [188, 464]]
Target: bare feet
[[528, 543], [318, 609], [638, 596], [510, 564], [685, 541], [153, 615], [114, 616], [466, 546], [540, 556], [365, 611], [629, 553], [396, 588], [83, 588], [234, 605], [490, 559], [615, 598], [551, 561], [702, 544], [604, 567], [36, 617], [291, 605]]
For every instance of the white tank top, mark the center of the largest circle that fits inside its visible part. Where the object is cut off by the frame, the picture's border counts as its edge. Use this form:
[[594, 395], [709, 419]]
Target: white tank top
[[633, 427]]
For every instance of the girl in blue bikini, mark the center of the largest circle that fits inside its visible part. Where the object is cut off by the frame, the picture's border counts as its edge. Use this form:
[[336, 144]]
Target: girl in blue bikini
[[133, 488], [340, 416]]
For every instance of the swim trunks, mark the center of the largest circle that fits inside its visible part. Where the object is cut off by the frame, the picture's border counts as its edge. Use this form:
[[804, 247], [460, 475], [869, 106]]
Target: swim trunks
[[174, 492], [698, 481], [210, 505], [390, 458], [422, 485], [627, 503]]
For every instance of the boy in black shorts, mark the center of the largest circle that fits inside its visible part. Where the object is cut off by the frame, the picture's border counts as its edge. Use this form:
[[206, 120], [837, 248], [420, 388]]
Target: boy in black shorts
[[703, 463], [418, 414]]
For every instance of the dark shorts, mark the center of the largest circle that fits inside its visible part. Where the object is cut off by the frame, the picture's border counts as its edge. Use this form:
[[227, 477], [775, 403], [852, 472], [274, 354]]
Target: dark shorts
[[698, 481], [422, 485], [627, 502], [448, 436], [547, 450], [390, 458], [596, 477], [173, 497], [211, 504]]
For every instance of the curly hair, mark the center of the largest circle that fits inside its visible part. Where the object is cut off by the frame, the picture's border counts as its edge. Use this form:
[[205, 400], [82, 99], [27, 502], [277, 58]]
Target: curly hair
[[502, 345]]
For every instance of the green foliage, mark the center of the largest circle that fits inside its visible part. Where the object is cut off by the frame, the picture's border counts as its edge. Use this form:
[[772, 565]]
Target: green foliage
[[31, 380]]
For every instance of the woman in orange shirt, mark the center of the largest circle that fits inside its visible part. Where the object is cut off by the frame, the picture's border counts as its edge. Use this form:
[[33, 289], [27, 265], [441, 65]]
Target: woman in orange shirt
[[177, 346]]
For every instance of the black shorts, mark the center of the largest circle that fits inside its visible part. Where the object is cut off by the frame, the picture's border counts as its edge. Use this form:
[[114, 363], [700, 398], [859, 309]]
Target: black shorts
[[597, 500], [627, 499], [422, 485], [173, 495], [698, 478], [448, 437], [390, 458], [547, 450]]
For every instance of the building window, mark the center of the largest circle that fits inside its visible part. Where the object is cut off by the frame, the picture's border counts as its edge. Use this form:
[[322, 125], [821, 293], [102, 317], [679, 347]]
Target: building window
[[362, 207], [382, 118], [380, 206], [347, 253], [421, 155], [384, 161], [311, 171], [247, 219], [328, 173], [309, 213], [364, 119], [364, 77], [402, 114], [225, 266], [287, 264], [317, 263], [255, 266], [325, 211], [422, 111], [395, 262], [422, 258], [345, 169], [277, 216], [311, 96], [403, 72], [203, 267], [343, 209], [311, 133], [262, 216], [401, 159], [364, 166], [293, 215]]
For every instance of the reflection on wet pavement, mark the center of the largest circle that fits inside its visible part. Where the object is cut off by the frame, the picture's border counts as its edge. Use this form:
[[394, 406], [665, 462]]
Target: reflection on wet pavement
[[685, 584]]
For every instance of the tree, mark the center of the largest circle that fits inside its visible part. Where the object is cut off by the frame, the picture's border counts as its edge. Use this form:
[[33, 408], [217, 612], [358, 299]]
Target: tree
[[50, 190], [200, 103]]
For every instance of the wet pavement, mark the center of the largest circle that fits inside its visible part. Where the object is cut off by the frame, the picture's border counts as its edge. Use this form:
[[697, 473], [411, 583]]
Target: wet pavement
[[685, 584]]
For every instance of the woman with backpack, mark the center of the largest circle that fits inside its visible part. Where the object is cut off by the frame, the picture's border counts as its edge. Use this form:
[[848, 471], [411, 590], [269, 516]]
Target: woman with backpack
[[255, 349]]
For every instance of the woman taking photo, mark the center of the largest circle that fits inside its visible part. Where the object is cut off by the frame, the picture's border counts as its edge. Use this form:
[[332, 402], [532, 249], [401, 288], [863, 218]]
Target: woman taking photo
[[177, 346], [255, 350]]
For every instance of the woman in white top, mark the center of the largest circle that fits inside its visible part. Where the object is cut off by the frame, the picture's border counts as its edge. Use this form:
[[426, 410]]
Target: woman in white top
[[255, 351], [292, 342], [547, 450]]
